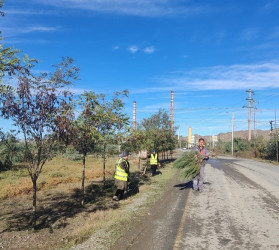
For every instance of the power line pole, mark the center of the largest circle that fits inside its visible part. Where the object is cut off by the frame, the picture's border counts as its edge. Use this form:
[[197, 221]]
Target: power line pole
[[232, 130], [249, 99], [210, 140], [255, 108], [276, 136], [178, 138], [271, 127], [134, 115], [171, 112], [275, 120]]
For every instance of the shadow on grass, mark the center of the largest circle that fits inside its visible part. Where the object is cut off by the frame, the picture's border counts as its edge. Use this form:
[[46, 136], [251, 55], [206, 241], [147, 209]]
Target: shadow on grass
[[54, 210], [167, 161]]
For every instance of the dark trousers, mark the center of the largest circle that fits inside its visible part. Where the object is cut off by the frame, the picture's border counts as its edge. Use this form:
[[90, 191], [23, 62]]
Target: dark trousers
[[119, 193], [153, 169]]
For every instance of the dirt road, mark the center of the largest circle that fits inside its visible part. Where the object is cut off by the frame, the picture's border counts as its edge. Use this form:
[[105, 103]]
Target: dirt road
[[238, 209]]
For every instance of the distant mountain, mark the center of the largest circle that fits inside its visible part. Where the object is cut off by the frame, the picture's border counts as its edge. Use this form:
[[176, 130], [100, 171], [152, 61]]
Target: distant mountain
[[243, 134], [225, 137]]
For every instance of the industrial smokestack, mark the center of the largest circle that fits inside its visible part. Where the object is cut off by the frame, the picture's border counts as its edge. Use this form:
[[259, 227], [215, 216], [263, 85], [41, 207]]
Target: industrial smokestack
[[134, 115]]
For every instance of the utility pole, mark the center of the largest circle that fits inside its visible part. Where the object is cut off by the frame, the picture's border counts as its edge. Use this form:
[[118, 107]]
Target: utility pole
[[276, 136], [275, 120], [210, 140], [178, 138], [171, 112], [271, 128], [232, 130], [249, 99], [134, 115], [255, 131]]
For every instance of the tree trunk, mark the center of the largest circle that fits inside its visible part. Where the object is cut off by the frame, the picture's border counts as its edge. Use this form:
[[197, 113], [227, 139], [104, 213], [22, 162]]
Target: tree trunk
[[82, 181], [104, 166], [34, 219], [139, 164]]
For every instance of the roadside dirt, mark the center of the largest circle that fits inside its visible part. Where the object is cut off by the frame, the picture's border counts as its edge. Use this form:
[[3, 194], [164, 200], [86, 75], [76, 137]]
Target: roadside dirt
[[59, 215], [63, 222]]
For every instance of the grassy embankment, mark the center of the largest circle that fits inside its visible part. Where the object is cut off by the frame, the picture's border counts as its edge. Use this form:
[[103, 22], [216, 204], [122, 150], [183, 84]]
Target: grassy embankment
[[62, 220], [105, 227]]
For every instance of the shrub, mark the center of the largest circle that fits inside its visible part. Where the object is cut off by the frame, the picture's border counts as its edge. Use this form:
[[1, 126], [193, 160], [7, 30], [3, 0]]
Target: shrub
[[72, 154], [190, 163]]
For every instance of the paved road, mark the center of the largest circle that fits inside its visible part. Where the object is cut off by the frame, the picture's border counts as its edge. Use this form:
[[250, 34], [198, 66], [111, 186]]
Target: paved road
[[238, 209]]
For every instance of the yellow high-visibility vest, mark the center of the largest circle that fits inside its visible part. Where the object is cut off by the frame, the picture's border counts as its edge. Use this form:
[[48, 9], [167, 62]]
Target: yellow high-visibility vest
[[120, 173], [153, 159]]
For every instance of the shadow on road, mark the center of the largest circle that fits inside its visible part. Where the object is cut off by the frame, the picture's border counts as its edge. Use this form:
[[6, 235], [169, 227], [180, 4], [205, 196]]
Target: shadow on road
[[187, 185]]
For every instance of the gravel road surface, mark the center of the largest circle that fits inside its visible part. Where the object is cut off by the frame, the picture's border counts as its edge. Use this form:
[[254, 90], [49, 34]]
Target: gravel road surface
[[237, 209]]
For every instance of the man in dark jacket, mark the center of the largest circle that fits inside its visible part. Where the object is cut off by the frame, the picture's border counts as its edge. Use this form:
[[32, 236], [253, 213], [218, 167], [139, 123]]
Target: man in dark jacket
[[121, 176], [198, 180]]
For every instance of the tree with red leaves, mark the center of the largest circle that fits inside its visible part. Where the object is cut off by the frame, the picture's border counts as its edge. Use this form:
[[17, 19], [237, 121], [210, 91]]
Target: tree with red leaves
[[40, 107]]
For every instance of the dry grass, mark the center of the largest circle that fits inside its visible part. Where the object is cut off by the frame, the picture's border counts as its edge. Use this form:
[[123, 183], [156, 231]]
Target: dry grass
[[58, 171], [94, 221], [61, 218]]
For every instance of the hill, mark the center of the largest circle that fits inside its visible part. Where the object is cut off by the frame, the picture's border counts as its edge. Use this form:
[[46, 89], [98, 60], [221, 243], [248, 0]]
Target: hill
[[243, 134], [225, 137]]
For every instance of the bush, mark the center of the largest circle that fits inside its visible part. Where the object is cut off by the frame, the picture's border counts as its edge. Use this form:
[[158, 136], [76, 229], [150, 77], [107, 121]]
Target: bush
[[72, 154], [190, 163], [11, 153], [6, 164], [112, 149]]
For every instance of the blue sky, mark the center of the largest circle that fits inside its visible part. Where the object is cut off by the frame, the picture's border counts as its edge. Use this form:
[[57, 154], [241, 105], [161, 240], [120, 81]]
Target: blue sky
[[208, 52]]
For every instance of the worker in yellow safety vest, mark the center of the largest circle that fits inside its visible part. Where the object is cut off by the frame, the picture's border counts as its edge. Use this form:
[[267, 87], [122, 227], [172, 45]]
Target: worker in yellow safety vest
[[153, 162], [121, 176]]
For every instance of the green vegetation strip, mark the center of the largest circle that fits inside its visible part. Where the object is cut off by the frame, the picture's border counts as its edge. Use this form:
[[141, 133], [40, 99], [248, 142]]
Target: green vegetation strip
[[190, 163]]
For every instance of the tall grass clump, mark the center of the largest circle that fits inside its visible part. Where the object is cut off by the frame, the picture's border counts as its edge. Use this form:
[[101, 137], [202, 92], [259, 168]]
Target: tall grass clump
[[190, 163]]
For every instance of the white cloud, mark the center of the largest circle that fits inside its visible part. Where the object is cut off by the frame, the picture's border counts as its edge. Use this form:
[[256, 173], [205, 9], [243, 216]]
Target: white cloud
[[259, 76], [28, 12], [27, 41], [133, 7], [133, 49], [116, 47], [149, 50], [14, 31], [38, 29]]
